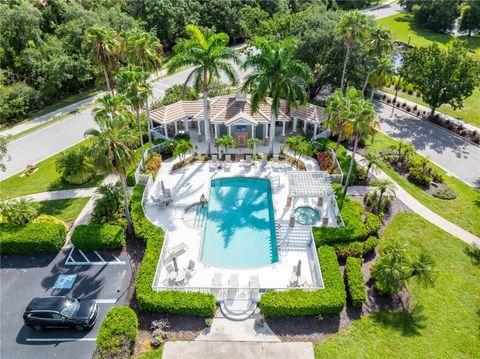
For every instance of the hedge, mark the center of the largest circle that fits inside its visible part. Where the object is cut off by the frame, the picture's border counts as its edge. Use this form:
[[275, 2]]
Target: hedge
[[117, 335], [355, 281], [354, 229], [94, 237], [372, 223], [170, 302], [32, 238], [297, 302], [356, 249]]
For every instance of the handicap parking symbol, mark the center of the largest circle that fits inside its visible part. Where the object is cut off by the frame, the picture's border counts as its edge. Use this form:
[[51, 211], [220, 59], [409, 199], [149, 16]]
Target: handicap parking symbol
[[65, 281]]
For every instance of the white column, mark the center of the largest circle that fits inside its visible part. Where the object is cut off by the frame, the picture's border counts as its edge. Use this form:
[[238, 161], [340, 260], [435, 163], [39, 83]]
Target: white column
[[229, 130], [253, 131], [265, 130], [292, 212], [304, 126], [315, 129], [199, 128], [185, 125], [295, 124], [165, 127], [176, 127], [216, 130], [283, 128]]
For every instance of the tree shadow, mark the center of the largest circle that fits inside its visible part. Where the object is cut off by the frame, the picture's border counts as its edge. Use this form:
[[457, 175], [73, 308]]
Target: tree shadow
[[474, 253], [408, 323]]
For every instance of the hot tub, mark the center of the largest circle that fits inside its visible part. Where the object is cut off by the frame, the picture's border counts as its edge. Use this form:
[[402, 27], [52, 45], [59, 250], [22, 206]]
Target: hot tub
[[307, 215]]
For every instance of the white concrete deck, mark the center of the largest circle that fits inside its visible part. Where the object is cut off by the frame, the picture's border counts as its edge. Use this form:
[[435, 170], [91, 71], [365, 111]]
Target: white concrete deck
[[189, 183]]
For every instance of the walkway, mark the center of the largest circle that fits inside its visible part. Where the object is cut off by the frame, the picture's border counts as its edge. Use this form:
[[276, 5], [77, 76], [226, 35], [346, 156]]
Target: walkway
[[237, 350], [428, 214], [61, 194], [451, 152]]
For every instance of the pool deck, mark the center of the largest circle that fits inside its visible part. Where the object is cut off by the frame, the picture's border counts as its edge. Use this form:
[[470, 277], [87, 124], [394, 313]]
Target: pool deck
[[188, 184]]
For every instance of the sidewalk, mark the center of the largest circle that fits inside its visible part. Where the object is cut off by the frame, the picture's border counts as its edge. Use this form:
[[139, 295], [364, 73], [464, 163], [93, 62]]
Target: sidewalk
[[61, 194]]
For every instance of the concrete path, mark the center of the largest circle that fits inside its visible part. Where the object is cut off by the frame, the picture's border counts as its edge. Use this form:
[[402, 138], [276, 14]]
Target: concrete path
[[357, 190], [451, 152], [428, 214], [383, 10], [237, 350], [61, 194]]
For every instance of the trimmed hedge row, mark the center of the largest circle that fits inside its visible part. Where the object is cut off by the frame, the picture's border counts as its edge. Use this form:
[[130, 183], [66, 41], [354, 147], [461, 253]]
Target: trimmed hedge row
[[170, 302], [354, 229], [297, 302], [372, 223], [355, 281], [356, 249], [117, 335], [94, 237], [32, 238]]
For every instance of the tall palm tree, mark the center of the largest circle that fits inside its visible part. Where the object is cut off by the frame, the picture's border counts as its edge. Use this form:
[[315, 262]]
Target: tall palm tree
[[360, 123], [112, 152], [145, 50], [383, 187], [337, 105], [110, 105], [276, 74], [133, 84], [382, 69], [225, 142], [352, 28], [372, 161], [103, 47], [209, 54]]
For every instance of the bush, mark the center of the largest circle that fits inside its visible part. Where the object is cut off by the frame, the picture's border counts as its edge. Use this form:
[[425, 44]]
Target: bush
[[109, 207], [436, 175], [355, 281], [74, 166], [352, 249], [372, 223], [296, 302], [117, 335], [16, 101], [370, 200], [418, 176], [45, 218], [154, 163], [170, 302], [20, 211], [370, 244], [445, 193], [32, 238], [342, 156], [354, 229], [94, 237]]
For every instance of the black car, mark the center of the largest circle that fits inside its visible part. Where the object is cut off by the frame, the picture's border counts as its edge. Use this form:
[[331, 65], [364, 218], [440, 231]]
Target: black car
[[60, 312]]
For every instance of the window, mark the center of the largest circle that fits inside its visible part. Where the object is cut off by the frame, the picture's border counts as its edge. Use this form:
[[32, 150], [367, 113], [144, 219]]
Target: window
[[241, 128], [40, 315]]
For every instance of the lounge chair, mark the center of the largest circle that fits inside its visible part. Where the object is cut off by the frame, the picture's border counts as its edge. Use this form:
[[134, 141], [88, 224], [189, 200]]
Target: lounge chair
[[190, 269], [232, 286], [214, 163], [228, 162], [254, 285], [217, 284], [248, 160], [176, 251], [264, 160]]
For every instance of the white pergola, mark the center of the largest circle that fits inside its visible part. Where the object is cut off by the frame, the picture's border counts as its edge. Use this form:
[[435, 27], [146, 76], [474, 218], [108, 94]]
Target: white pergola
[[308, 184]]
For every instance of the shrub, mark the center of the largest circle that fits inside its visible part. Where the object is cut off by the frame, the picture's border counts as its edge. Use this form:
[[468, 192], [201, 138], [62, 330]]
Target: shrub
[[16, 101], [74, 166], [445, 193], [355, 281], [296, 302], [436, 175], [418, 176], [154, 163], [109, 207], [94, 237], [32, 238], [354, 229], [372, 223], [45, 218], [370, 244], [352, 249], [342, 156], [20, 211], [170, 302], [117, 335]]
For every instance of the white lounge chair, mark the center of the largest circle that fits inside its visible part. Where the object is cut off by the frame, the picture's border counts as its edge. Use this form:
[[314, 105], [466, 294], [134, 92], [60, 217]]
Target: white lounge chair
[[276, 163], [248, 160], [228, 162], [214, 163], [232, 286], [190, 269], [176, 251], [264, 160], [254, 285], [217, 284]]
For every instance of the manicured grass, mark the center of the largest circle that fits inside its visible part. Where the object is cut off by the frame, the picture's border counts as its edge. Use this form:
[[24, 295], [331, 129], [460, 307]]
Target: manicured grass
[[44, 179], [64, 209], [152, 354], [464, 211], [445, 324], [468, 113], [403, 25]]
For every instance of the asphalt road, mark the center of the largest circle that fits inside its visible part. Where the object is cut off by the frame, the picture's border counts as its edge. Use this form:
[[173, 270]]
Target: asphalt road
[[457, 156], [383, 10], [23, 277]]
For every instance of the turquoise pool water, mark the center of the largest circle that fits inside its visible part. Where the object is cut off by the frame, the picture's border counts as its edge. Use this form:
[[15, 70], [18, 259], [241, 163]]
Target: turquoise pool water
[[240, 225]]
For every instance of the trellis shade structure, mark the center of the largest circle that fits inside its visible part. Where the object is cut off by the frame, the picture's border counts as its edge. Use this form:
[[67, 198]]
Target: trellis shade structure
[[309, 184]]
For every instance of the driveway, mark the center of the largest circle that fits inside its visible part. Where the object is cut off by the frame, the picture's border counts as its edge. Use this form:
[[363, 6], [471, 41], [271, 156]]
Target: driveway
[[456, 155], [26, 276]]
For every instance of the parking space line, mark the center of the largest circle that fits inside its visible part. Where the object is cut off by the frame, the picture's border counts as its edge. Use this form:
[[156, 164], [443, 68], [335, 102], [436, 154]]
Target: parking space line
[[105, 301], [84, 256], [70, 261], [60, 339], [99, 256]]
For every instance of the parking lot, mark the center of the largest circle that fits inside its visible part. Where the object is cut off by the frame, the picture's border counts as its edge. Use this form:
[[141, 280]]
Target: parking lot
[[87, 275]]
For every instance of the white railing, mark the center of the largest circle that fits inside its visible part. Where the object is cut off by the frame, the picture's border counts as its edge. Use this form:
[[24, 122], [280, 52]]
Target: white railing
[[161, 261], [315, 263], [323, 134], [142, 178], [336, 177]]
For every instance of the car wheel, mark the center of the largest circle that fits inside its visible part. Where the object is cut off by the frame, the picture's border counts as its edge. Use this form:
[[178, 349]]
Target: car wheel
[[37, 328], [79, 328]]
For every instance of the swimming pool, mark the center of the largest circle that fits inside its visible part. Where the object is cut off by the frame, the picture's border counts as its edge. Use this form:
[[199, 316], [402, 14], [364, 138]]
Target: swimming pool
[[240, 225]]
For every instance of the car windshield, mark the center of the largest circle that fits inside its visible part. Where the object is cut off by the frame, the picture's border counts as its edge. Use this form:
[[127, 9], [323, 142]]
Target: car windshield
[[70, 307]]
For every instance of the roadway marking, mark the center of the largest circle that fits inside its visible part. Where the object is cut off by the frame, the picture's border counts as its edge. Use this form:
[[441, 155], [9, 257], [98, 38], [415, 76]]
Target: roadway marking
[[70, 261], [60, 339], [105, 301]]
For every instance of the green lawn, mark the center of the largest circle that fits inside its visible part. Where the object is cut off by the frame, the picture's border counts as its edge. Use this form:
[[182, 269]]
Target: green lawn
[[464, 211], [64, 209], [469, 113], [446, 323], [403, 25], [45, 179]]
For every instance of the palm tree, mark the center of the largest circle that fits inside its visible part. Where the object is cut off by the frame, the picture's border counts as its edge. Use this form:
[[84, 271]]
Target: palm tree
[[226, 142], [383, 187], [133, 84], [360, 123], [145, 50], [103, 46], [382, 69], [352, 28], [372, 162], [181, 148], [112, 152], [277, 74], [110, 105], [209, 54], [252, 143], [337, 105], [74, 166]]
